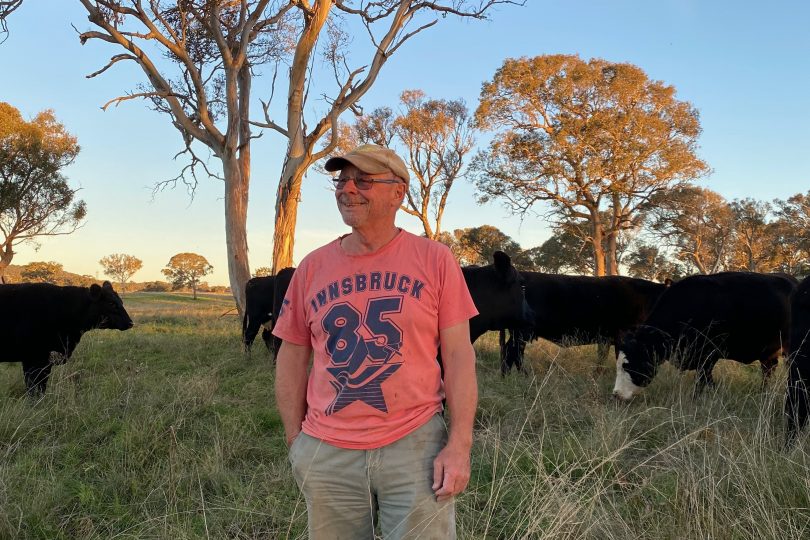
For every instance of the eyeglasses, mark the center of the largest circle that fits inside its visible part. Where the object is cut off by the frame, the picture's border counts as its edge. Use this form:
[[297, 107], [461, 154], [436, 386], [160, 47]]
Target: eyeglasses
[[364, 183]]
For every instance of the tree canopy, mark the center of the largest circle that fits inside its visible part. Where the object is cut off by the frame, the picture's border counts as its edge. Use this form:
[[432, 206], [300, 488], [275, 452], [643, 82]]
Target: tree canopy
[[475, 245], [121, 267], [186, 269], [210, 51], [35, 198], [587, 138], [41, 272], [433, 136]]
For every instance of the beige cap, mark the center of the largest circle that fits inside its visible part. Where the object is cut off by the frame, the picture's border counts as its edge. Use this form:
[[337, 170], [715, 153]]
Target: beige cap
[[371, 159]]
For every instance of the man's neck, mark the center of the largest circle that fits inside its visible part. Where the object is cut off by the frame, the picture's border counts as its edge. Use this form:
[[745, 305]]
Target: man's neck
[[364, 242]]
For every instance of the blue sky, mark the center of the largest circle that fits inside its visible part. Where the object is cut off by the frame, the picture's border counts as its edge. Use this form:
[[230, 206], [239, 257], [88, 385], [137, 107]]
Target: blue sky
[[745, 65]]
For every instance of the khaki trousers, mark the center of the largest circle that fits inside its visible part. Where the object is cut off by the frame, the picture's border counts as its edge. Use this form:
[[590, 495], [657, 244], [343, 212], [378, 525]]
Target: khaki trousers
[[346, 489]]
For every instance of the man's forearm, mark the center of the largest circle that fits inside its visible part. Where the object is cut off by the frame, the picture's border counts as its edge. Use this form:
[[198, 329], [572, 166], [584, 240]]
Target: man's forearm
[[291, 389], [461, 388]]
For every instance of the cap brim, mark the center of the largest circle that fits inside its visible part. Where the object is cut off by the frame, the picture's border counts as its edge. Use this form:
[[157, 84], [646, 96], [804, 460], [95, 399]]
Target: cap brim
[[335, 164]]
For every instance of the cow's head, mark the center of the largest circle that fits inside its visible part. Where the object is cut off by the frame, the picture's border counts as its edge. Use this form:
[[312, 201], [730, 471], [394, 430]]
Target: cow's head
[[106, 309], [497, 290], [638, 359]]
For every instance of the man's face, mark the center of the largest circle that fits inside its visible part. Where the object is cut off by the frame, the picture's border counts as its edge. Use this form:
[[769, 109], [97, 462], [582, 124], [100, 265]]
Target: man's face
[[371, 207]]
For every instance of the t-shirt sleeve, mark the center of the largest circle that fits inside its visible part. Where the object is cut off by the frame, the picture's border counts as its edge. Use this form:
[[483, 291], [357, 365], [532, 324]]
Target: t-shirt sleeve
[[455, 303], [291, 324]]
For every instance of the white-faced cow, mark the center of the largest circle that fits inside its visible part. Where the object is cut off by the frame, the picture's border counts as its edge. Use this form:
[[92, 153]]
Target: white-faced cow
[[580, 310], [739, 316], [263, 299], [798, 390], [37, 319]]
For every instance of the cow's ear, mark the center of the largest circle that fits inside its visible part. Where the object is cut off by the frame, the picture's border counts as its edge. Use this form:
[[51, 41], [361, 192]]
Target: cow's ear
[[502, 261], [107, 285], [95, 291]]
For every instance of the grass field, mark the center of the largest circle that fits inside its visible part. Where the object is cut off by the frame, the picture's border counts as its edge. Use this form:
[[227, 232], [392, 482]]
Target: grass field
[[169, 431]]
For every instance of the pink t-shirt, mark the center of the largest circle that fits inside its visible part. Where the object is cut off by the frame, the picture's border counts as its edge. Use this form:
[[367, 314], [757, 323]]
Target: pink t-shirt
[[373, 323]]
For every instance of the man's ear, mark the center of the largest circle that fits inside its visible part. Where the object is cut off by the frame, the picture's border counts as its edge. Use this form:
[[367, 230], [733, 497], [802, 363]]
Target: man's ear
[[402, 190]]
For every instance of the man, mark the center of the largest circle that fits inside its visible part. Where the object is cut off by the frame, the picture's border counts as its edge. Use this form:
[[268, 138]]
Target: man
[[365, 427]]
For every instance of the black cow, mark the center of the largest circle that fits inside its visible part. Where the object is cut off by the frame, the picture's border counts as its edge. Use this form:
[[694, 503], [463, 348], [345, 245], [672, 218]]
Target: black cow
[[497, 291], [740, 316], [798, 395], [580, 310], [258, 309], [37, 319], [263, 298]]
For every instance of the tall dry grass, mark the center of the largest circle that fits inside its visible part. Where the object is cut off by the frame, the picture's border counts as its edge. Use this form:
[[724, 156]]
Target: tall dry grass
[[169, 431]]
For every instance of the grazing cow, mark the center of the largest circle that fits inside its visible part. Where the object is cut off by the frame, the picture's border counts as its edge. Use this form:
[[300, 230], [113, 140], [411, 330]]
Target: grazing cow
[[497, 291], [740, 316], [258, 309], [581, 310], [37, 319], [798, 390]]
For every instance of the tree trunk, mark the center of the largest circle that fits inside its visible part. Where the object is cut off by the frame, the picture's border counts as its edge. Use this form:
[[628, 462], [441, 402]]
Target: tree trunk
[[236, 202], [597, 236], [194, 289], [5, 258], [289, 192], [610, 255]]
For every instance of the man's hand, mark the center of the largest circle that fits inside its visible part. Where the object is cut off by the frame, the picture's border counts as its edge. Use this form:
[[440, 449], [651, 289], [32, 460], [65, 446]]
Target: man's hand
[[451, 471], [291, 438]]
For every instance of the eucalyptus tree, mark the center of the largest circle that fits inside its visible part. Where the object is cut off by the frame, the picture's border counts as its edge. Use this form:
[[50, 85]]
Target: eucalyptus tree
[[434, 136], [35, 198], [121, 267], [586, 138], [199, 58], [186, 270], [697, 224], [355, 66]]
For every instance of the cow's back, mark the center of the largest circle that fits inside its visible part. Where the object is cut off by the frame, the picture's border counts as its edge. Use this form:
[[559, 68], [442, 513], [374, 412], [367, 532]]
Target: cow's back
[[800, 322], [743, 312], [35, 316], [588, 308]]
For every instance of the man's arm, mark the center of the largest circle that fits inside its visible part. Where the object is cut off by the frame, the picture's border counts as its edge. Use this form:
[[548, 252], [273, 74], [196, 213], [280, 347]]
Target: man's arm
[[451, 468], [292, 362]]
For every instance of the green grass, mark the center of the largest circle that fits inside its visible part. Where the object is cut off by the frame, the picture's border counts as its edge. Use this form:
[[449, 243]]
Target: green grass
[[169, 431]]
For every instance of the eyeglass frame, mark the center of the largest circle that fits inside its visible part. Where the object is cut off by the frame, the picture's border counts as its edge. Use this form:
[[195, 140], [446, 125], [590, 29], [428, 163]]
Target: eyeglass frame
[[367, 182]]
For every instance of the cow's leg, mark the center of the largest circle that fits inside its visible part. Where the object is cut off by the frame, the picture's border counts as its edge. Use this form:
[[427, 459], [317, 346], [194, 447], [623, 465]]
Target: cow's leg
[[245, 343], [267, 337], [797, 397], [502, 348], [36, 376], [508, 352], [521, 351]]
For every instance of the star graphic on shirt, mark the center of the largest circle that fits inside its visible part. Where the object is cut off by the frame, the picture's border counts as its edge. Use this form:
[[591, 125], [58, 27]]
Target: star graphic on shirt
[[365, 383], [369, 393]]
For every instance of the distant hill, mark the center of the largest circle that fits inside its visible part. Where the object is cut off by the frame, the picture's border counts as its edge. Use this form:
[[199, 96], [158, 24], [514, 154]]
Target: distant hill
[[13, 275]]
